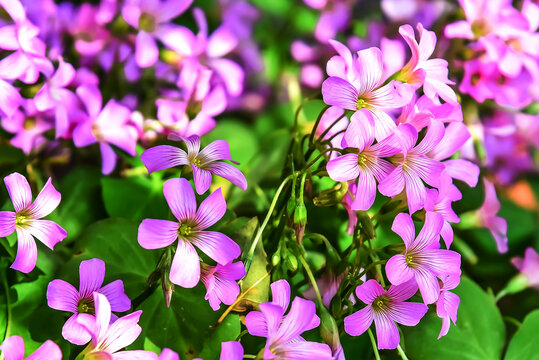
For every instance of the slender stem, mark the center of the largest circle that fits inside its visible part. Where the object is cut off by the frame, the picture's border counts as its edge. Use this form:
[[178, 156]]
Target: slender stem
[[143, 296], [374, 346], [401, 352], [312, 279], [320, 155], [8, 248], [302, 186], [513, 321], [247, 356], [313, 131], [8, 302], [250, 254], [330, 126], [500, 295]]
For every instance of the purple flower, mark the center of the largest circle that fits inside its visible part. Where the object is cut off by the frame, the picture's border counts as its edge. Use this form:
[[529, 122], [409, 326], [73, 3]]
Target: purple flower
[[108, 338], [203, 163], [414, 166], [356, 83], [283, 332], [365, 162], [529, 266], [63, 296], [334, 17], [168, 354], [385, 308], [151, 18], [13, 349], [220, 282], [487, 215], [26, 220], [414, 11], [107, 125], [422, 260], [334, 133], [231, 350], [447, 304], [189, 230]]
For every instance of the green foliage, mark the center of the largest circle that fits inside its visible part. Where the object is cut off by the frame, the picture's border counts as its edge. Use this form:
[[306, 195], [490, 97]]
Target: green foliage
[[524, 344]]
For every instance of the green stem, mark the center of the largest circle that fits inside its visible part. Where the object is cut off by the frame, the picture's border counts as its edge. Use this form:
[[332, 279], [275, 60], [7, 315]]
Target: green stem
[[8, 248], [401, 352], [302, 186], [320, 155], [374, 346], [330, 126], [513, 321], [250, 254], [8, 302], [142, 297], [312, 279], [311, 138]]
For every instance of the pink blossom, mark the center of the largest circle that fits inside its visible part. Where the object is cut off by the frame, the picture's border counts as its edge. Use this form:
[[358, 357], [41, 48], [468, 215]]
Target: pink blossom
[[487, 215], [529, 266], [220, 283], [13, 349], [447, 304]]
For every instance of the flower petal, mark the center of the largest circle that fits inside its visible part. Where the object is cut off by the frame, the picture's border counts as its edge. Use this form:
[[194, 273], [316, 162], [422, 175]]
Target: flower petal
[[211, 210], [360, 132], [339, 92], [92, 274], [407, 313], [369, 65], [231, 350], [13, 348], [393, 183], [180, 198], [216, 150], [343, 168], [46, 231], [19, 191], [299, 319], [386, 332], [366, 191], [185, 270], [428, 284], [122, 333], [357, 323], [46, 201], [7, 223], [397, 270], [48, 351], [229, 172], [116, 296], [63, 296], [168, 354], [280, 293], [403, 226], [403, 291], [163, 157], [202, 179], [26, 258], [157, 234], [217, 246], [256, 324], [430, 233], [74, 332], [109, 158], [369, 290], [221, 42], [146, 50], [135, 355]]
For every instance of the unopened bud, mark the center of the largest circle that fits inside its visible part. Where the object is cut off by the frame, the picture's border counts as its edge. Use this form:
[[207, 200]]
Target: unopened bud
[[366, 224], [300, 214], [291, 262], [329, 330], [276, 258]]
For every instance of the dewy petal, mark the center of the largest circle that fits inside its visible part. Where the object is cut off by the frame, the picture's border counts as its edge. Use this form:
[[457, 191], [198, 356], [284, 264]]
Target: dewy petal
[[116, 296], [202, 179], [46, 231], [47, 200], [13, 348], [403, 226], [217, 246], [211, 210], [185, 270], [48, 351], [231, 350], [397, 270], [369, 65], [92, 274], [146, 50], [7, 223], [229, 172], [296, 321], [256, 324], [369, 290], [360, 132], [19, 191], [280, 292], [157, 234], [339, 92], [163, 157], [62, 296], [407, 313], [74, 332], [386, 332], [366, 191], [357, 323], [180, 198], [26, 258], [343, 168]]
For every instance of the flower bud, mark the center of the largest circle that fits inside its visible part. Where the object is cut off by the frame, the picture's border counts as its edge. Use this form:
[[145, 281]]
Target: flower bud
[[291, 262], [276, 258], [329, 330], [300, 214]]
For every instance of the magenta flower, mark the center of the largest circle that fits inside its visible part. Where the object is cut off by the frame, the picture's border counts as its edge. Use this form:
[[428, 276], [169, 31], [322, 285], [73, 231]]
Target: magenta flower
[[63, 296], [106, 126], [447, 304], [487, 215], [431, 73], [189, 230], [283, 332], [152, 19], [529, 267], [231, 350], [168, 354], [26, 220], [334, 17], [385, 308], [203, 163], [414, 166], [439, 201], [362, 87], [365, 162], [13, 349], [422, 260], [107, 338], [220, 282]]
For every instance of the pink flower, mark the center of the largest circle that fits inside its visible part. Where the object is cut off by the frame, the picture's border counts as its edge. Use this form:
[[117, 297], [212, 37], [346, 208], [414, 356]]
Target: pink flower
[[283, 332], [190, 231], [487, 215], [13, 349], [230, 350], [220, 282], [356, 83], [107, 338], [447, 304], [422, 260], [26, 220], [63, 296], [414, 166], [529, 266], [364, 162], [385, 308], [203, 163]]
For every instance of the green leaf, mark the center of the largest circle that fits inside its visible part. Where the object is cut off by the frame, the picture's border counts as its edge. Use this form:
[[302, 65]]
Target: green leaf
[[228, 330], [524, 344], [479, 334]]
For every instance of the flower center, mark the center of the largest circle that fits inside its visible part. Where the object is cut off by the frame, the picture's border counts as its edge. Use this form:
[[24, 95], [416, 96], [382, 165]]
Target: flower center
[[381, 303], [20, 219], [409, 259], [361, 103], [474, 80], [197, 162], [185, 230], [29, 123], [146, 22], [86, 306], [480, 27]]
